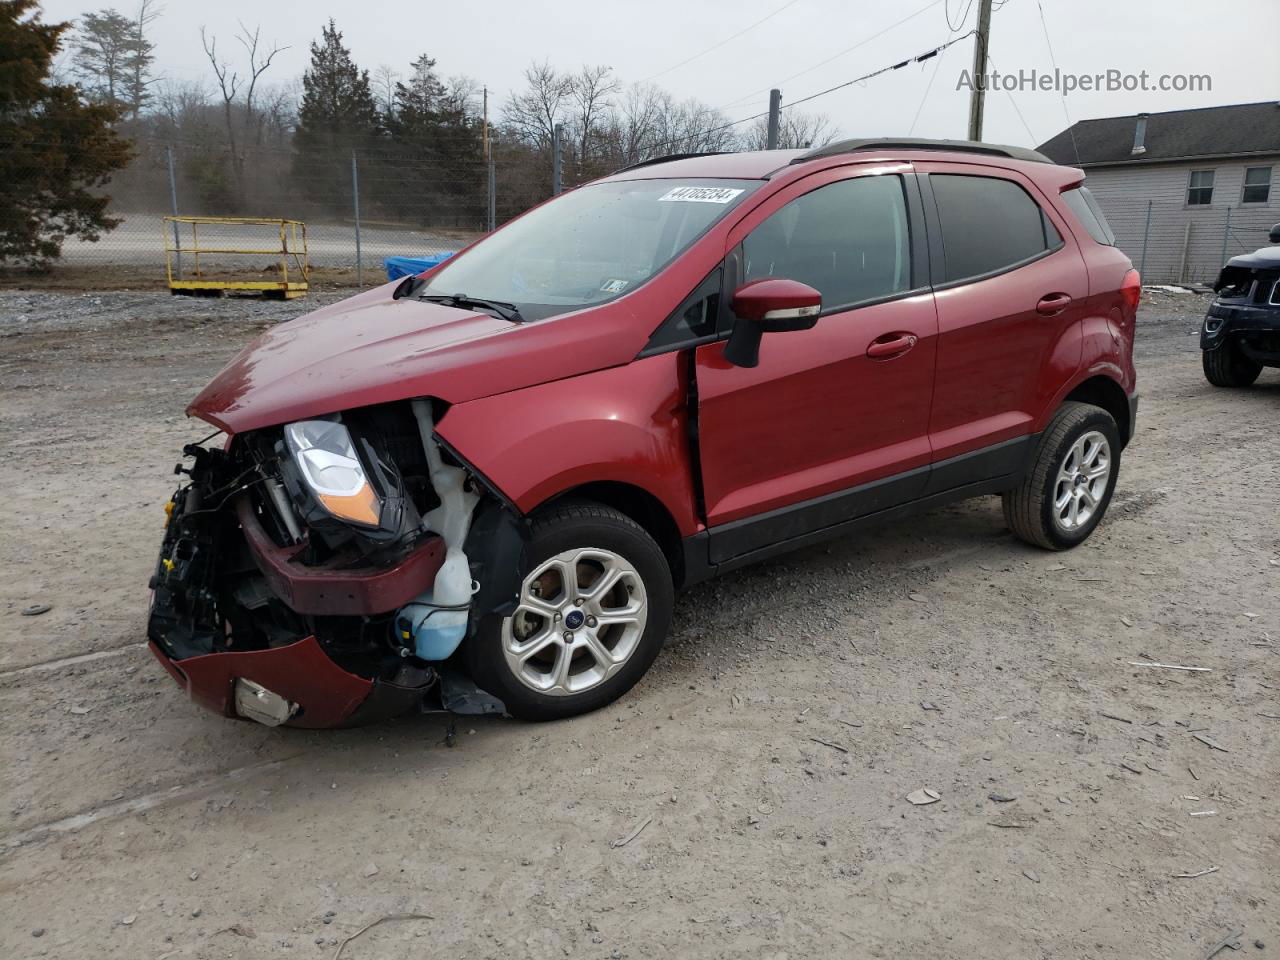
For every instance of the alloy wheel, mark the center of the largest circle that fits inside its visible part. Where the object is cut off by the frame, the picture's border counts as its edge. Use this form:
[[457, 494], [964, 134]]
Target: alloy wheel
[[580, 617], [1082, 481]]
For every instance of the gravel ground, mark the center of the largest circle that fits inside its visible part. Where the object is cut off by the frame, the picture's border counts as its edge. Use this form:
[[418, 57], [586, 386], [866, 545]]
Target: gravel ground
[[768, 754]]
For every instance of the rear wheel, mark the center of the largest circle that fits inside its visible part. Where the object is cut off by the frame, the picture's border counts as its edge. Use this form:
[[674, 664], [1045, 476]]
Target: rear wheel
[[593, 612], [1068, 488], [1227, 366]]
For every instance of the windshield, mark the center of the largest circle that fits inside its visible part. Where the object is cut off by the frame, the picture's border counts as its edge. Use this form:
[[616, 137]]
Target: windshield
[[591, 245]]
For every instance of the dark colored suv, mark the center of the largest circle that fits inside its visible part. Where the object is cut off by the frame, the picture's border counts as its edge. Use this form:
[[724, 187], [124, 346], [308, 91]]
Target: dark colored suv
[[1241, 332], [505, 468]]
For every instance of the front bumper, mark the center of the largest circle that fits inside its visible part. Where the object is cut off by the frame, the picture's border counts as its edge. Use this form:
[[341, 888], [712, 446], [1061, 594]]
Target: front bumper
[[335, 590], [230, 604], [1224, 320], [302, 673]]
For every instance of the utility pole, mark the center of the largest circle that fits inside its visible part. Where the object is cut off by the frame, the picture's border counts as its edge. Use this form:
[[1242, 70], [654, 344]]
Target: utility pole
[[355, 202], [775, 114], [173, 197], [485, 134], [979, 92]]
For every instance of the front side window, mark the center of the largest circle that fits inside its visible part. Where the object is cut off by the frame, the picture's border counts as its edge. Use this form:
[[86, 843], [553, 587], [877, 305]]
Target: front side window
[[1200, 188], [590, 245], [988, 225], [848, 240], [1257, 185]]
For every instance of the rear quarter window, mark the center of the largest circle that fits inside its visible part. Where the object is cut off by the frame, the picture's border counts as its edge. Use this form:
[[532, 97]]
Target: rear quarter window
[[988, 225], [1086, 210]]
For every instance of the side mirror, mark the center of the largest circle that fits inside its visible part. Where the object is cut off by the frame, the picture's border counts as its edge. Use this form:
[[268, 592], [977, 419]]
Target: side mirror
[[1274, 235], [769, 305]]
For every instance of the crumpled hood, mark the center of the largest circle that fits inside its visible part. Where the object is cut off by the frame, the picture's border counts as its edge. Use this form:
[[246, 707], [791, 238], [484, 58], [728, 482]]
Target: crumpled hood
[[372, 349]]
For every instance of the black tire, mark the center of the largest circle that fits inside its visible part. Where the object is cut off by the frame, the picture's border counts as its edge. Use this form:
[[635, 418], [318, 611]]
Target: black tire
[[1029, 507], [564, 526], [1227, 366]]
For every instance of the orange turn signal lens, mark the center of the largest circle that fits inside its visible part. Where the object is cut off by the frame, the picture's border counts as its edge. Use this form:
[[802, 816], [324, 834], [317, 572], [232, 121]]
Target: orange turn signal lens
[[359, 507]]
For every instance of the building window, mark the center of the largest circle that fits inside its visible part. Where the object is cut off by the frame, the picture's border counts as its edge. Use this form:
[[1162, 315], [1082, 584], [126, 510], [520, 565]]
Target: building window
[[1257, 185], [1200, 189]]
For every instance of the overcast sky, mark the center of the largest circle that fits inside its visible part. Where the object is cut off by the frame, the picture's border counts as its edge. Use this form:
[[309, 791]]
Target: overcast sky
[[1233, 41]]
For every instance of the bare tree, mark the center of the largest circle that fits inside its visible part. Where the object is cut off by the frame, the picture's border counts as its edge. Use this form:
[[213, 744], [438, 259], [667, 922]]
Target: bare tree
[[532, 114], [179, 102], [231, 84], [385, 79], [461, 94], [795, 130], [590, 92], [635, 121]]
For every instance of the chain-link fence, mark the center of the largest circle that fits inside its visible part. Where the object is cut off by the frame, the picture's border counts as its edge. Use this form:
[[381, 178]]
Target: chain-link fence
[[362, 204], [359, 206], [1172, 242]]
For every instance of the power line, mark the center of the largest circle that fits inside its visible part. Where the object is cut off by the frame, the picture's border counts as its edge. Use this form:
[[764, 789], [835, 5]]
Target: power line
[[963, 17], [1054, 63], [929, 86], [920, 58], [1014, 103], [835, 56], [717, 46], [875, 73], [954, 28]]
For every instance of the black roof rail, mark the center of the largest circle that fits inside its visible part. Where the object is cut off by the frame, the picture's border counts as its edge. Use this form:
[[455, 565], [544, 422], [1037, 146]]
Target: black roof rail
[[920, 143], [667, 159]]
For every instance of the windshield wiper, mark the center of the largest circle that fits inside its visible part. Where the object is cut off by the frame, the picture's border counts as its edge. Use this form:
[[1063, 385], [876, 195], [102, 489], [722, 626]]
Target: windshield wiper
[[505, 310]]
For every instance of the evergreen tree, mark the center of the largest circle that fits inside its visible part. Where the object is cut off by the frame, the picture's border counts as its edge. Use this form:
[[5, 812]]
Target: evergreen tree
[[436, 151], [57, 149], [338, 115], [112, 57], [417, 103]]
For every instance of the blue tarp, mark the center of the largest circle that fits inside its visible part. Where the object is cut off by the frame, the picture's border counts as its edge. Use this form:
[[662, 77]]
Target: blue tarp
[[398, 267]]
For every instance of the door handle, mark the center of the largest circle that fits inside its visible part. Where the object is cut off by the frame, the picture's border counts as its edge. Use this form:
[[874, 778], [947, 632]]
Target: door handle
[[1053, 303], [880, 348]]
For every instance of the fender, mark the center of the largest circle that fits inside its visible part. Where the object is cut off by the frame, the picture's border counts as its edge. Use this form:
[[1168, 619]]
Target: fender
[[627, 424], [1103, 354]]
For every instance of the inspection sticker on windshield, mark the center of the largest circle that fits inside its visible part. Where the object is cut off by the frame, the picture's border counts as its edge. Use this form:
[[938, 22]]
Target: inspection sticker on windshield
[[701, 194], [614, 286]]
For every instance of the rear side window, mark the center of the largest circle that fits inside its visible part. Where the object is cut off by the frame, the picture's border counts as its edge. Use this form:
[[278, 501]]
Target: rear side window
[[988, 225], [1082, 203], [848, 240]]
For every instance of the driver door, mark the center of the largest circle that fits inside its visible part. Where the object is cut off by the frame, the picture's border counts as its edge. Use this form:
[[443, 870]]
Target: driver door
[[833, 422]]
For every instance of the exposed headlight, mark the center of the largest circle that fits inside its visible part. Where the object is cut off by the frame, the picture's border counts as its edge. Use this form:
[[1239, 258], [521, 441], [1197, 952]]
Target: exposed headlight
[[327, 458]]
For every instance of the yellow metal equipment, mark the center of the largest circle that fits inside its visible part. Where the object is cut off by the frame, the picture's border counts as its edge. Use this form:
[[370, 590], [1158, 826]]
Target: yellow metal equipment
[[218, 273]]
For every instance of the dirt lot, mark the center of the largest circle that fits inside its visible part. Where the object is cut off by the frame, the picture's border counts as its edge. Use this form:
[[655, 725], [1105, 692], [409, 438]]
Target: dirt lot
[[769, 752]]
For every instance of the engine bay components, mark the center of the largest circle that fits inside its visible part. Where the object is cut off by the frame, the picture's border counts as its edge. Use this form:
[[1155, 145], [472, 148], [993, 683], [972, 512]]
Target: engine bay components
[[436, 621]]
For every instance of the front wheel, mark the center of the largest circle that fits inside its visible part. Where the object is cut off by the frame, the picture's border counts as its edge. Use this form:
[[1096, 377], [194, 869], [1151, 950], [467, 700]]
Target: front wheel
[[1069, 485], [594, 610], [1227, 366]]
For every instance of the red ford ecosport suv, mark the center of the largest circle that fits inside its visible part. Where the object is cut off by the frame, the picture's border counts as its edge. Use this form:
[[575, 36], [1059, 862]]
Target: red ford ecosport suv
[[503, 469]]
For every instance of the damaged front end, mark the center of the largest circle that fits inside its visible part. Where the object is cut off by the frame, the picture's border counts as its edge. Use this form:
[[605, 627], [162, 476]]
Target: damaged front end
[[1246, 308], [324, 572]]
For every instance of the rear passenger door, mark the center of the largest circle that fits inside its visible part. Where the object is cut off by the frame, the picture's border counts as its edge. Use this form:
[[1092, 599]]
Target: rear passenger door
[[1010, 283]]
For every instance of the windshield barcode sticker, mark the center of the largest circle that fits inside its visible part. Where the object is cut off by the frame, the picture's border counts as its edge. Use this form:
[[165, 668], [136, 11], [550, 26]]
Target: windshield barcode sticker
[[701, 194]]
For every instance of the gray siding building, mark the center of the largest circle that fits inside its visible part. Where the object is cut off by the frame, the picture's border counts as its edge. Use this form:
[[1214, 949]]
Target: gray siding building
[[1183, 190]]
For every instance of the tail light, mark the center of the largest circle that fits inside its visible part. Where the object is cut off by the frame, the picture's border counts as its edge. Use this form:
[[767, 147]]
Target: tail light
[[1131, 292]]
